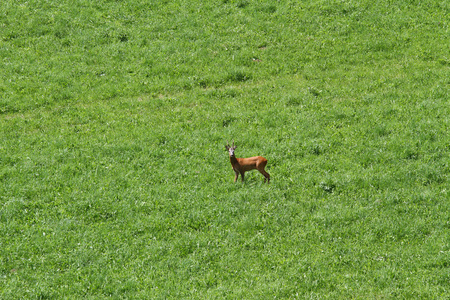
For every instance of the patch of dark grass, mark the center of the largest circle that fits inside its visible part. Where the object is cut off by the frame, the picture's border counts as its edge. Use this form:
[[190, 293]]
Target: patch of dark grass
[[237, 76]]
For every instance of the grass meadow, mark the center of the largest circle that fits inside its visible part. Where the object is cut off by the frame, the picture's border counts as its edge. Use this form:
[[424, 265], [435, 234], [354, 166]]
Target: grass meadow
[[114, 179]]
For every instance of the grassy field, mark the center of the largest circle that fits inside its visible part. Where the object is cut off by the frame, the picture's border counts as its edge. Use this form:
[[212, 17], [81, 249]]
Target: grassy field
[[114, 179]]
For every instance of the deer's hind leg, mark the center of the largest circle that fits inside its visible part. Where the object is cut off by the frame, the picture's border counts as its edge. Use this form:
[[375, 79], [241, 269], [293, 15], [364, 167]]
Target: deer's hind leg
[[262, 171], [266, 175]]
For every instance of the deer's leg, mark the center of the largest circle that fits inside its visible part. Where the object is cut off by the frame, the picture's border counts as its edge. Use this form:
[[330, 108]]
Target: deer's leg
[[236, 175], [260, 167], [242, 176], [266, 175]]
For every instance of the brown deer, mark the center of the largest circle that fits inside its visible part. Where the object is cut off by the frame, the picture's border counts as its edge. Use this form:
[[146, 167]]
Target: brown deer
[[241, 165]]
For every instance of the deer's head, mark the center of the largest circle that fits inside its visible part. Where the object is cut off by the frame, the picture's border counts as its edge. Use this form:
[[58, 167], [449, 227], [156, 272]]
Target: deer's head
[[230, 149]]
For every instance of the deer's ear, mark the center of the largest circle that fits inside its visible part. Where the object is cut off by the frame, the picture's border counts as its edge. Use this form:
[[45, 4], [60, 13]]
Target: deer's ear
[[226, 147]]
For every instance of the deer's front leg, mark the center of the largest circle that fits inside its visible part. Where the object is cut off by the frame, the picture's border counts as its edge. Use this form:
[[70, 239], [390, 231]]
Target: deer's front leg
[[236, 175]]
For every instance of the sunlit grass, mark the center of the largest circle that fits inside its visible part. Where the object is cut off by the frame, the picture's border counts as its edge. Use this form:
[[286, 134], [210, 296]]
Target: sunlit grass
[[115, 181]]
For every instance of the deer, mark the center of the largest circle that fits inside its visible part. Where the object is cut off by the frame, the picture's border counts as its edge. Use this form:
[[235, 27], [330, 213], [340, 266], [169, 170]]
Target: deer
[[241, 165]]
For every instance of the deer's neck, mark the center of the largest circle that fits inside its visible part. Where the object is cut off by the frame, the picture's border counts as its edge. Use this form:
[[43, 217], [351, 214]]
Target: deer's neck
[[233, 160]]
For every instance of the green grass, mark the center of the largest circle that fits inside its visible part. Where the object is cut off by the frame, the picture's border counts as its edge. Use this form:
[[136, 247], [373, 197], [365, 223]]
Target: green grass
[[114, 180]]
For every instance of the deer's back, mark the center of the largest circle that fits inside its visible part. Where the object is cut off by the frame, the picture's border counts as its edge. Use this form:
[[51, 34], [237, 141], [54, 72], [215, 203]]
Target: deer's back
[[251, 163]]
